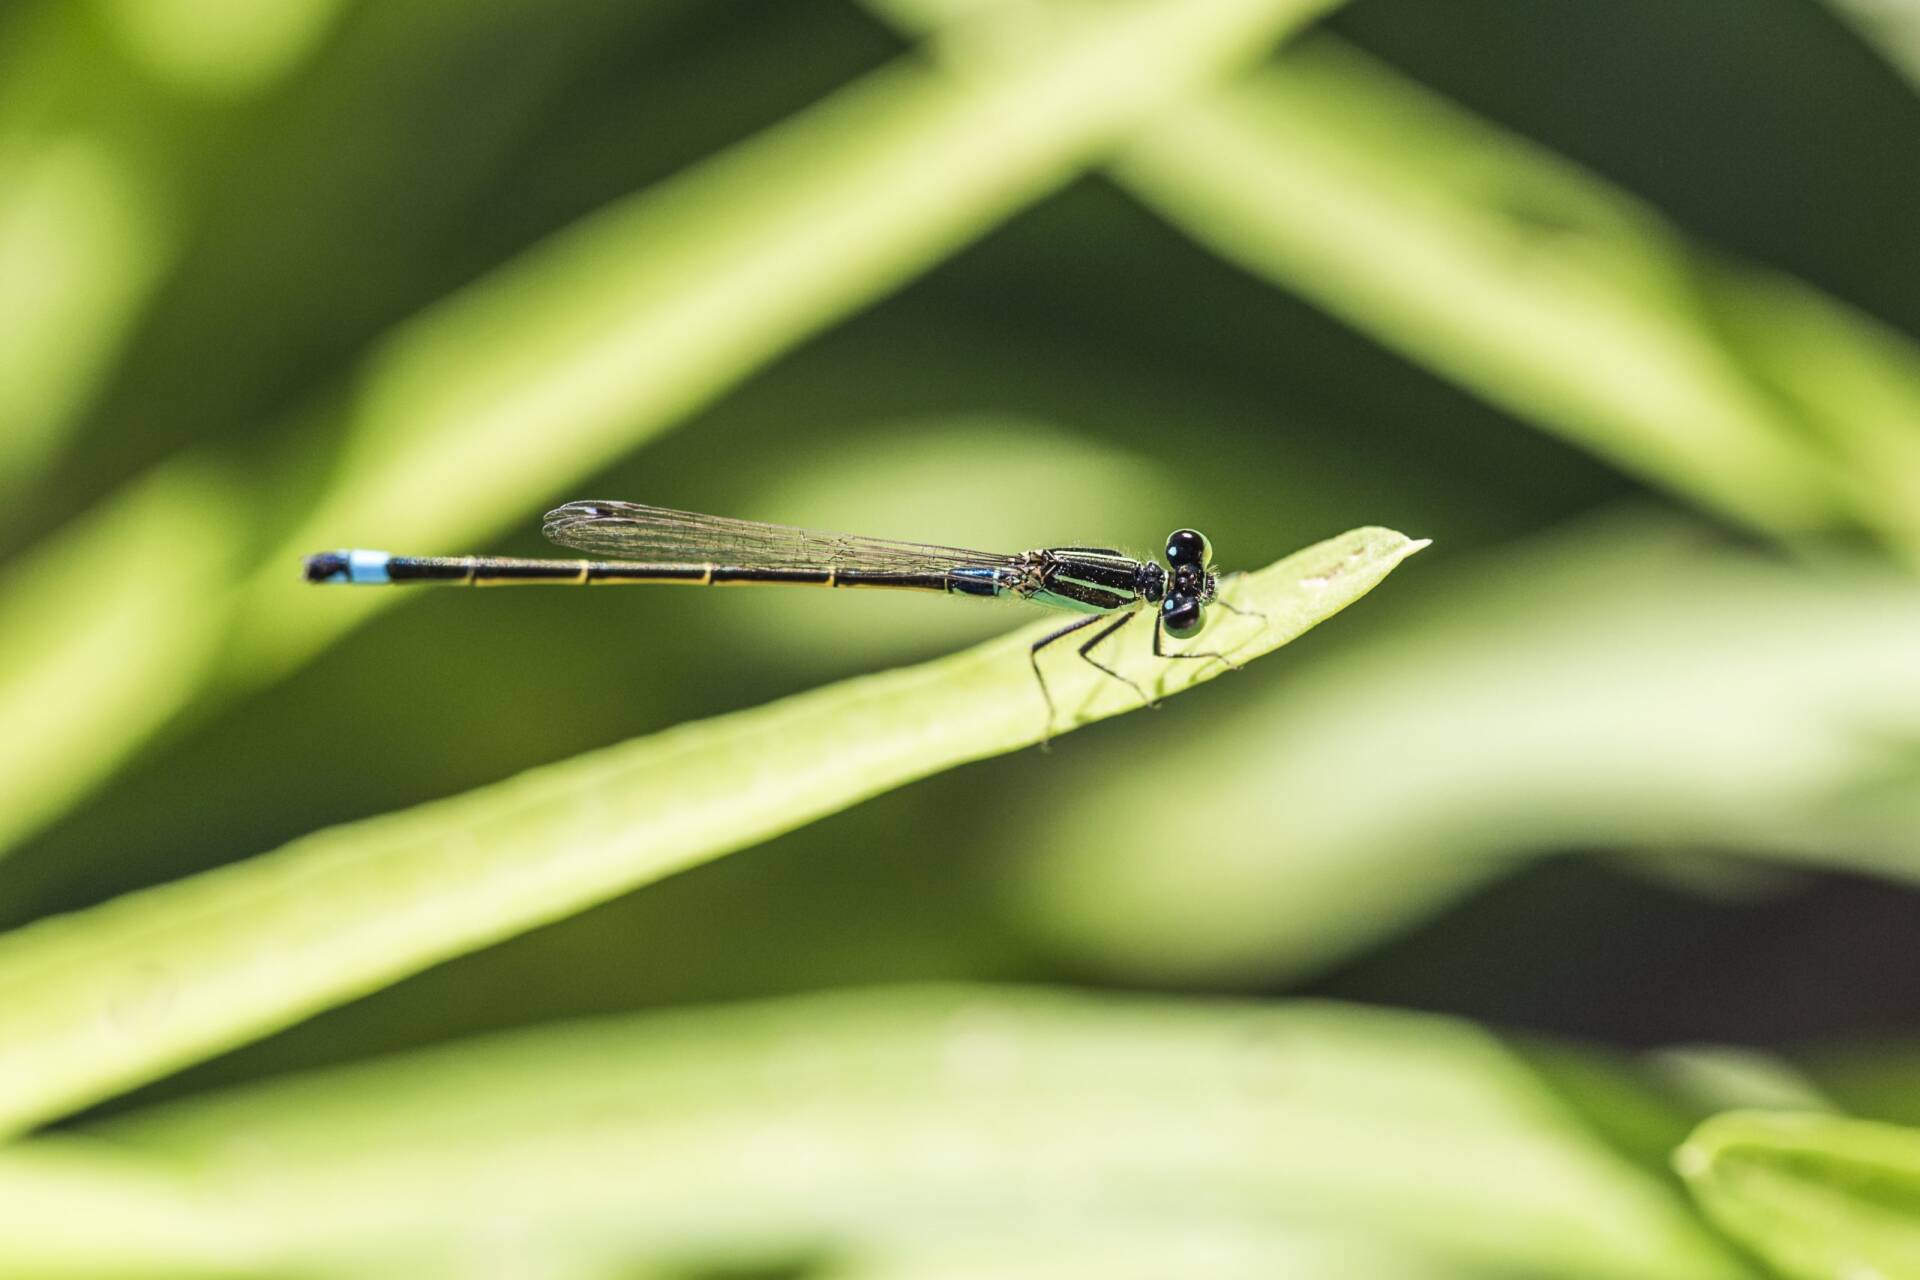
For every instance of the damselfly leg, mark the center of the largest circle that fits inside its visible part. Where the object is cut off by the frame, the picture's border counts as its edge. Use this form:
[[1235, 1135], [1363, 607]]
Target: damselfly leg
[[1159, 631], [1086, 654]]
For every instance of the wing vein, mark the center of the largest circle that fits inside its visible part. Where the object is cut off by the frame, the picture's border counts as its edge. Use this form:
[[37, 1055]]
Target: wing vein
[[634, 531]]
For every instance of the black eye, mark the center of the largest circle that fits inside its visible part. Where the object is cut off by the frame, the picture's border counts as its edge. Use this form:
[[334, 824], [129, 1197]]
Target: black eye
[[1180, 615], [1188, 546]]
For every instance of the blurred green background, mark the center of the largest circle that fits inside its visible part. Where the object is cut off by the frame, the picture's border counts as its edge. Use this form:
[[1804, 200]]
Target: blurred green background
[[1616, 303]]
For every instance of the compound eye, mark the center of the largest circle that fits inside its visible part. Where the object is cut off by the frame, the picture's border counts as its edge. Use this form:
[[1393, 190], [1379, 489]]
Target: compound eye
[[1180, 615], [1188, 546]]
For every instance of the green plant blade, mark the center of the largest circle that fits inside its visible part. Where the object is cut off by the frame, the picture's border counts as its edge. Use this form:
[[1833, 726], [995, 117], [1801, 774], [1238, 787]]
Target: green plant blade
[[80, 250], [219, 48], [101, 143], [127, 649], [1137, 1251], [1633, 684], [615, 328], [1877, 1078], [93, 1002], [82, 1209], [1893, 29], [609, 332], [914, 1121], [1531, 282], [1535, 285], [1815, 1196]]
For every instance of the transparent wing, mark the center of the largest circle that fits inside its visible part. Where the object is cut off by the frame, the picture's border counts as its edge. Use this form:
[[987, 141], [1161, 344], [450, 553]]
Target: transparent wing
[[657, 535]]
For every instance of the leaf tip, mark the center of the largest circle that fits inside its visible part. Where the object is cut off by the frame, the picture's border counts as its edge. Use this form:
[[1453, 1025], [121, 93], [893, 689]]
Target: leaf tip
[[1692, 1160]]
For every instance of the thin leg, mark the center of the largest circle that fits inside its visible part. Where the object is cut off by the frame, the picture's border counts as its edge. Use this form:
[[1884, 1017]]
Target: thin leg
[[1238, 613], [1033, 659], [1158, 652], [1086, 652]]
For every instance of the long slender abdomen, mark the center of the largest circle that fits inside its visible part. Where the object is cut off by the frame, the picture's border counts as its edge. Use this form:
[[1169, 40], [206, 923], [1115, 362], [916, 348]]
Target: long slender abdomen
[[377, 568]]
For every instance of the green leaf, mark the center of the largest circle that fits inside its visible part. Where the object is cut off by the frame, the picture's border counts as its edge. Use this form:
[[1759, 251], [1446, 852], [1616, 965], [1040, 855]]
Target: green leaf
[[81, 248], [612, 331], [896, 1123], [99, 157], [1525, 279], [1816, 1196], [1542, 289], [1876, 1077], [76, 1208], [93, 1002], [1894, 29], [220, 48], [1631, 684], [1136, 1250], [129, 645]]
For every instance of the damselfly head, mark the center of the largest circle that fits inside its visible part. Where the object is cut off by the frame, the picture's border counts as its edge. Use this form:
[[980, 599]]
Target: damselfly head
[[1190, 584]]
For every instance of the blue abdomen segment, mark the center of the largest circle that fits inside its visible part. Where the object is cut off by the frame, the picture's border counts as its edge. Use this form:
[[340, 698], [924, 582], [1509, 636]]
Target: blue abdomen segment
[[976, 582], [367, 567]]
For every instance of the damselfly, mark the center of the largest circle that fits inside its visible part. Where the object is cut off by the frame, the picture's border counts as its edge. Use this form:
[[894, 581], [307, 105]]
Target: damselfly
[[654, 544]]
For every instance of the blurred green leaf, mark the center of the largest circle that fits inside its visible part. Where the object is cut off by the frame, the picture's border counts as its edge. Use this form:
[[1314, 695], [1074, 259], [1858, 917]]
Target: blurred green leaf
[[1875, 1080], [1892, 26], [1636, 1112], [92, 1002], [1851, 384], [219, 47], [86, 227], [1542, 289], [604, 336], [1716, 1077], [76, 1208], [609, 332], [127, 650], [1815, 1196], [100, 147], [1528, 281], [924, 1121], [1626, 686], [80, 248], [1134, 1251]]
